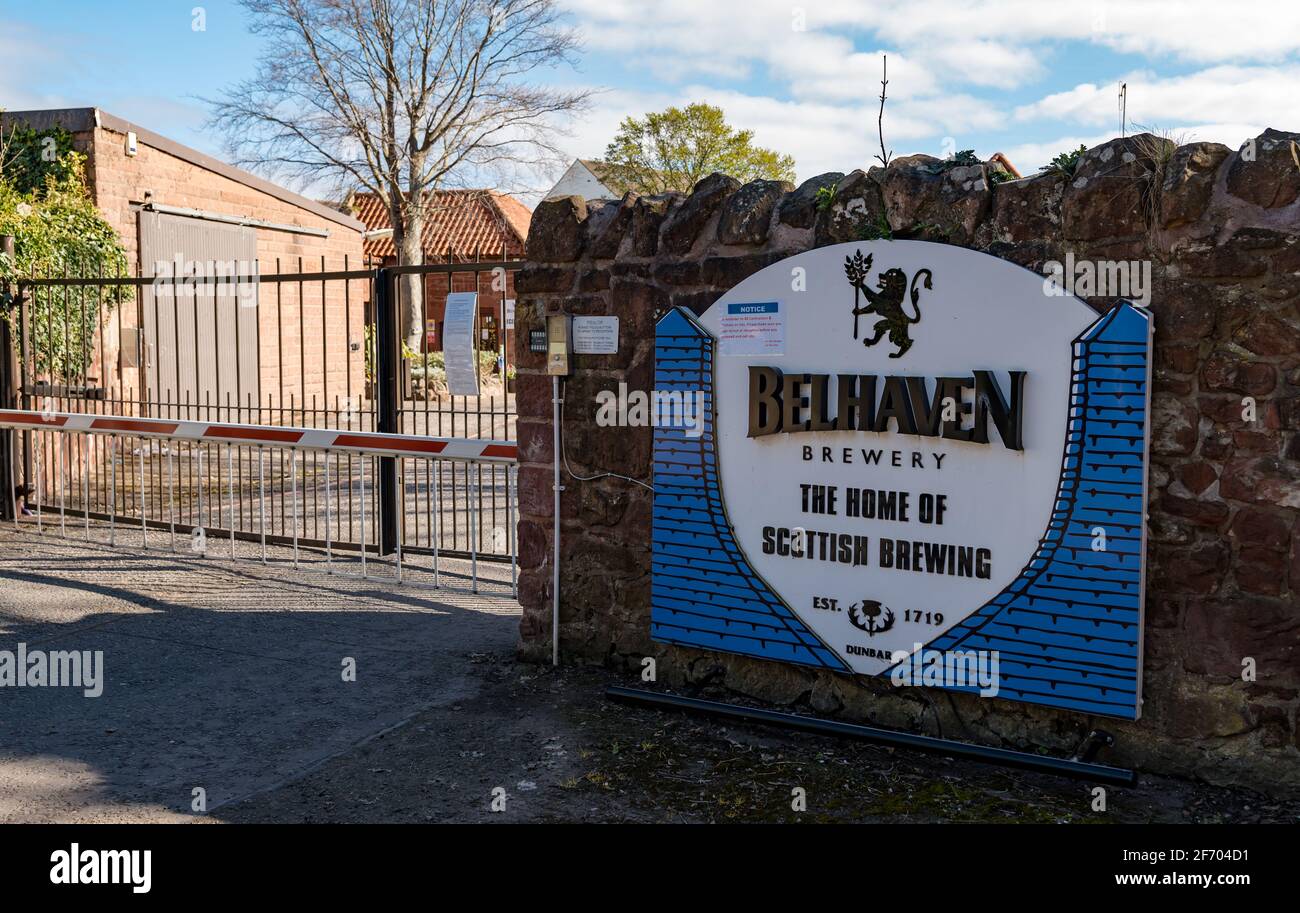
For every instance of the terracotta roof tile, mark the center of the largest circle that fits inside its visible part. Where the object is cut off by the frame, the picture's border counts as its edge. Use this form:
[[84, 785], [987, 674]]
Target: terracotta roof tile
[[462, 221]]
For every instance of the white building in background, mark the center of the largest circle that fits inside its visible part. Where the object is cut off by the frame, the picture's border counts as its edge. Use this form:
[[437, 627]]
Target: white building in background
[[586, 178]]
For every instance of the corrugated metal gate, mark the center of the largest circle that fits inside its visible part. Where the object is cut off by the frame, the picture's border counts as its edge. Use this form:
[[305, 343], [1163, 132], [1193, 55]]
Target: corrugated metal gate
[[200, 342]]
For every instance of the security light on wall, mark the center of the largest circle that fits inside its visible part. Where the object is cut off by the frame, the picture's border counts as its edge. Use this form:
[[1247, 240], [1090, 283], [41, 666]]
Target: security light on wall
[[131, 147]]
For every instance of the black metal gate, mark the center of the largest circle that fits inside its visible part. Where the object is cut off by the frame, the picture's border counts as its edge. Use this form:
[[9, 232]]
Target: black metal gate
[[327, 354]]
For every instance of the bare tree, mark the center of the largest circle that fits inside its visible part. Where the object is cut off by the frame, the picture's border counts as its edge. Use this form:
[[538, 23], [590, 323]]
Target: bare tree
[[884, 155], [402, 98]]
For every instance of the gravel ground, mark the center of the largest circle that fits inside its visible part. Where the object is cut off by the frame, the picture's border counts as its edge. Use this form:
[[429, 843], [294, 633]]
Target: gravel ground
[[225, 675], [561, 752]]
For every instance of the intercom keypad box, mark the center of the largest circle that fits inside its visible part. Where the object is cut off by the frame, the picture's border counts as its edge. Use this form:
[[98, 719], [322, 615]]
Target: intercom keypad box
[[559, 344]]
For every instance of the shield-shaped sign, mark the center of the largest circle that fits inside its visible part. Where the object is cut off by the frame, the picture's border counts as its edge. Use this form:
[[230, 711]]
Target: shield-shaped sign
[[916, 460]]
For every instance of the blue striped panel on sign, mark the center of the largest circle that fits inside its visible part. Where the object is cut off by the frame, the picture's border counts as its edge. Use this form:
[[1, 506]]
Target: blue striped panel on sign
[[704, 592], [1068, 630]]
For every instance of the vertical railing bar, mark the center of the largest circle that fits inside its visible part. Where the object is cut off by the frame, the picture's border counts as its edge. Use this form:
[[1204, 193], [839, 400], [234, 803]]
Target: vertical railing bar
[[315, 494], [13, 458], [329, 553], [261, 497], [230, 489], [144, 510], [201, 519], [473, 524], [40, 484], [87, 448], [171, 494], [111, 445], [434, 529], [63, 522], [399, 470], [293, 478], [510, 530], [362, 461]]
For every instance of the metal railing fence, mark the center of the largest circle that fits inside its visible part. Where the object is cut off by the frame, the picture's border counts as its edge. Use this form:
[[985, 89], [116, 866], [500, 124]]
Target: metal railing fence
[[298, 349], [215, 489]]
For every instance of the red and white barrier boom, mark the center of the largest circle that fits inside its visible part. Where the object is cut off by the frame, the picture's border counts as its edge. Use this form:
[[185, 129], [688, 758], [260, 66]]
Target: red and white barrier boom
[[443, 448]]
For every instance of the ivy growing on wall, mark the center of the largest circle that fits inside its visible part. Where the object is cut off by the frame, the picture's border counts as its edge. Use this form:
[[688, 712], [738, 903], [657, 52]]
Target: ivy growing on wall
[[58, 233]]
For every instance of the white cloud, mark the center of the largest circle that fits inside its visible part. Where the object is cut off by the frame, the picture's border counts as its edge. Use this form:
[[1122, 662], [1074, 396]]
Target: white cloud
[[984, 63], [1225, 94], [941, 53], [991, 42], [1204, 31], [1029, 157]]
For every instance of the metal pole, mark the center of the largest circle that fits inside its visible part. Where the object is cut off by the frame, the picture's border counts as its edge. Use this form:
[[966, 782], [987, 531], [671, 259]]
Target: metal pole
[[171, 492], [511, 532], [435, 532], [1100, 773], [85, 501], [142, 498], [399, 536], [387, 360], [40, 490], [63, 519], [201, 519], [230, 495], [26, 377], [293, 478], [474, 523], [13, 489], [261, 497], [9, 387], [329, 554], [555, 519], [364, 543], [112, 484]]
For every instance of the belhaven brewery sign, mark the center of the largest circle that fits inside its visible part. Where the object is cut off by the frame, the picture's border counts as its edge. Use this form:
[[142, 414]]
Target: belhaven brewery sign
[[916, 461]]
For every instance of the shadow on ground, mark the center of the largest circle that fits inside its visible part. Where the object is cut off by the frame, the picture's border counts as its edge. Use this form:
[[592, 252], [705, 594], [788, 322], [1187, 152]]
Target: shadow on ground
[[222, 677], [227, 677]]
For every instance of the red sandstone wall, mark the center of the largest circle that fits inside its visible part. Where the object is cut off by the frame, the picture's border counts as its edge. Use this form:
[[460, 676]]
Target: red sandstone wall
[[1222, 231]]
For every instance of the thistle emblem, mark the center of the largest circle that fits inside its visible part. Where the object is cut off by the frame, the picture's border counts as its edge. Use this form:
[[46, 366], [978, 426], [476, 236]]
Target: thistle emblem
[[870, 616]]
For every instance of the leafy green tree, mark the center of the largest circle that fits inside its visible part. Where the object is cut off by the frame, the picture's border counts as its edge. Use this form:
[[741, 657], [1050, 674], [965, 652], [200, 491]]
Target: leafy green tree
[[673, 149], [57, 232]]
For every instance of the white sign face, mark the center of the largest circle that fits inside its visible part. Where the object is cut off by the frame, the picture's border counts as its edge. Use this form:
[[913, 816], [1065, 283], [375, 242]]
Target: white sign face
[[751, 328], [595, 335], [510, 313], [458, 343], [893, 464]]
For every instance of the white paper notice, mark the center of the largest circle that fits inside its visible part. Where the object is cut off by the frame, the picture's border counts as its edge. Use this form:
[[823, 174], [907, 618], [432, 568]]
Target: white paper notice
[[458, 344], [754, 328], [595, 335], [510, 313]]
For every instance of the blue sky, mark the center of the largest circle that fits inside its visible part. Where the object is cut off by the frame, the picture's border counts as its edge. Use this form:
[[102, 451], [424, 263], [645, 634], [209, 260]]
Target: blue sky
[[1026, 78]]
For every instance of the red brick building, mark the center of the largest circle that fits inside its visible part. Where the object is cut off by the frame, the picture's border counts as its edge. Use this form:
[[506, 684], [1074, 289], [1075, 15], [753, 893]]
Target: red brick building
[[464, 226], [175, 207]]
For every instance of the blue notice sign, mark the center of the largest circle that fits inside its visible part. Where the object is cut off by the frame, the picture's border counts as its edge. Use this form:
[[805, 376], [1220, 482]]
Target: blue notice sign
[[761, 307], [752, 328]]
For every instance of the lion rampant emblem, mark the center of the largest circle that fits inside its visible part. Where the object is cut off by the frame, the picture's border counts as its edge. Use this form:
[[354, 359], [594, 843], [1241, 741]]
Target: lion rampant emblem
[[886, 301]]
